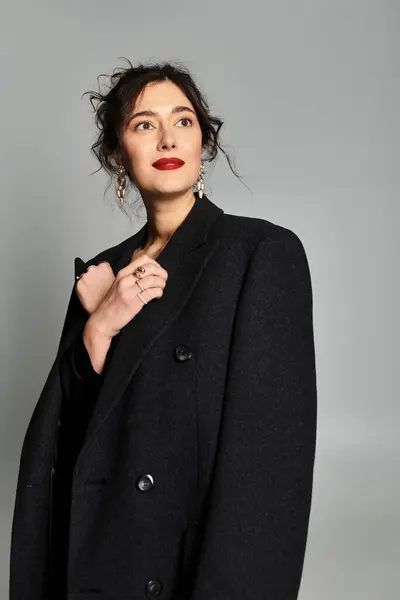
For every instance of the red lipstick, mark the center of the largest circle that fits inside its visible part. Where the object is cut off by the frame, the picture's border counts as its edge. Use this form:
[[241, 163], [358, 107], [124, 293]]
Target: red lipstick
[[168, 163]]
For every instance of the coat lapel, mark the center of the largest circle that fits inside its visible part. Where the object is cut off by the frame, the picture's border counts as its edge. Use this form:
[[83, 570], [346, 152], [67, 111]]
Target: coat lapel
[[184, 257]]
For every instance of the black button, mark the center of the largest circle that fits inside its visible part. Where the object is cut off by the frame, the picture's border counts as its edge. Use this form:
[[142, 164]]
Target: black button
[[145, 483], [182, 352], [153, 588]]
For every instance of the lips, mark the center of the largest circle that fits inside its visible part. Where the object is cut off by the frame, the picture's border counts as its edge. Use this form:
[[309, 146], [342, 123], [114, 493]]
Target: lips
[[168, 163]]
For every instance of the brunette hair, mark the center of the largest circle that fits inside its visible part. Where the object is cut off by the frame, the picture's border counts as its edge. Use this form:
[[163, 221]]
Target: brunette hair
[[112, 109]]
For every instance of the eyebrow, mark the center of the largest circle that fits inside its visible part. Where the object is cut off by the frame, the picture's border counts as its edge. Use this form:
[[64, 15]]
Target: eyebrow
[[152, 113]]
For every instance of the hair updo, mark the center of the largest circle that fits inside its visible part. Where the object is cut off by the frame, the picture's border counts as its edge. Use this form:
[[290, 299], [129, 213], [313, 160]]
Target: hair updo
[[113, 107]]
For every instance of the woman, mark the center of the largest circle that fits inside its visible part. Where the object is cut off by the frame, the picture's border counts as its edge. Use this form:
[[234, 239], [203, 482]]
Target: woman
[[171, 451]]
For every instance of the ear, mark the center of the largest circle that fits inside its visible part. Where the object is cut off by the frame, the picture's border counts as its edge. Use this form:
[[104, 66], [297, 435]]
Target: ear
[[117, 158]]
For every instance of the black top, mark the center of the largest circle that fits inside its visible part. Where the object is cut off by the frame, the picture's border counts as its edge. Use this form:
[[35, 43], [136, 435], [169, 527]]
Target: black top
[[80, 386]]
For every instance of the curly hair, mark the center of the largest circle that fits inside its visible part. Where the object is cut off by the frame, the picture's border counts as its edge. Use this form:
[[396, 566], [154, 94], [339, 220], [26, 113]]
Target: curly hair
[[112, 109]]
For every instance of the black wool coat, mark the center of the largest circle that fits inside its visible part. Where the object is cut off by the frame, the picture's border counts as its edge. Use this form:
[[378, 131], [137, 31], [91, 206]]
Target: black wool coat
[[194, 481]]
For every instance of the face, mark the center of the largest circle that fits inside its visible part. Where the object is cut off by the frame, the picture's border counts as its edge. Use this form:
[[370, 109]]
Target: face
[[166, 128]]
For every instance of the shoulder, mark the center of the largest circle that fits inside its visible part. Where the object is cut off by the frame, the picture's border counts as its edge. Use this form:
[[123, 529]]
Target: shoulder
[[274, 259], [255, 236]]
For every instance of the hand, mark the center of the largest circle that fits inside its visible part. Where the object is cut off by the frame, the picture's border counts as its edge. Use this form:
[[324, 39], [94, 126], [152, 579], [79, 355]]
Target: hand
[[93, 285], [121, 302]]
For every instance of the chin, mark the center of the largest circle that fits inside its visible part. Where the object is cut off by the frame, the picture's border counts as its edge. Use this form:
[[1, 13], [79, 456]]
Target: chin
[[169, 189], [173, 191]]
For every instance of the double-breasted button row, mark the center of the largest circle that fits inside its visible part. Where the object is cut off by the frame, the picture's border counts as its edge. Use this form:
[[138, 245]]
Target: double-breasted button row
[[182, 353], [145, 482]]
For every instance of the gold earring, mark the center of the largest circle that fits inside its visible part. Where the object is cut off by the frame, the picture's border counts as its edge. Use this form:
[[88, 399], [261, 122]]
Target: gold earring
[[121, 184], [200, 180]]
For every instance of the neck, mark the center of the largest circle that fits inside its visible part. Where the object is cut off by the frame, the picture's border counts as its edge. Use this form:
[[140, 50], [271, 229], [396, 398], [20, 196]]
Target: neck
[[164, 215]]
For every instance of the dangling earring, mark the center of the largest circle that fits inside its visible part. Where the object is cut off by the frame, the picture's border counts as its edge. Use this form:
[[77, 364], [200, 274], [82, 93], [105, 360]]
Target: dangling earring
[[200, 180], [121, 184]]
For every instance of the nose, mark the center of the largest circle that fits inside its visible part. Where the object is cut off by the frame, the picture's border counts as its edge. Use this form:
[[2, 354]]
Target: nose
[[167, 139]]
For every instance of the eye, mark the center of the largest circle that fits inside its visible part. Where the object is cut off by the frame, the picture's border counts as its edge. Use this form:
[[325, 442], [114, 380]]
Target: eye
[[143, 123], [186, 119]]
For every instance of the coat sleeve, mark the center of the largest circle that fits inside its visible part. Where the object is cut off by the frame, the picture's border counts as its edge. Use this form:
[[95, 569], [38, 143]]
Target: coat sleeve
[[80, 390], [81, 365], [75, 316], [260, 497], [80, 383]]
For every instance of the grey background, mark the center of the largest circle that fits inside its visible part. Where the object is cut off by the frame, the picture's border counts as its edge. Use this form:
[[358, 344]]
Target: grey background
[[309, 91]]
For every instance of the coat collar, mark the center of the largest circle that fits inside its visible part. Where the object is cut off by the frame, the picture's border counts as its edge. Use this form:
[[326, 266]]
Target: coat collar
[[191, 233], [184, 257]]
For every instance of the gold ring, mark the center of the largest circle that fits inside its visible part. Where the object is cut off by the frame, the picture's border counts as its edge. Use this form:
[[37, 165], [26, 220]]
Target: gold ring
[[138, 272], [142, 299]]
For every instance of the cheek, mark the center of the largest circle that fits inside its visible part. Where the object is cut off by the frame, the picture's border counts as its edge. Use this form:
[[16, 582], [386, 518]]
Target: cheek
[[140, 158], [197, 144], [192, 148]]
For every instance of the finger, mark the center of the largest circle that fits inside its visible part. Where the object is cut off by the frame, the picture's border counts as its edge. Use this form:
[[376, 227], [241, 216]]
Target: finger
[[103, 264], [149, 287], [149, 282], [149, 264], [149, 294]]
